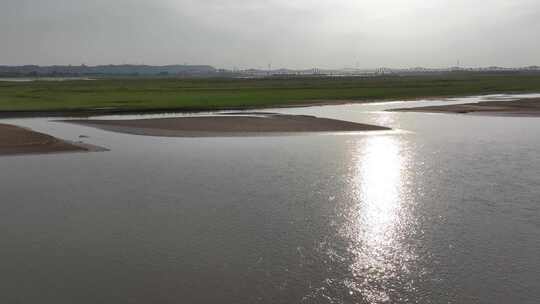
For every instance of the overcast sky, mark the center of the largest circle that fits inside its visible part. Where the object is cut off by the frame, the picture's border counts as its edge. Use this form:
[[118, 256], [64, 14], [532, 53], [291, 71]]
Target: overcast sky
[[286, 33]]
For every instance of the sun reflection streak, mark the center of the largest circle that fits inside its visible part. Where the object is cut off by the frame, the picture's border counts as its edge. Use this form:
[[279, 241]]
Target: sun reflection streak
[[380, 181], [378, 218]]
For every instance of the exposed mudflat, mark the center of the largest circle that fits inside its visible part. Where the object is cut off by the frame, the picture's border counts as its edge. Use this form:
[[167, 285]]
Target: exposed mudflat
[[223, 125], [16, 140], [523, 107]]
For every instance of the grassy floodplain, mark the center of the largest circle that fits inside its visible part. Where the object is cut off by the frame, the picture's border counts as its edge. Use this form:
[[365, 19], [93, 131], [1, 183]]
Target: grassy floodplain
[[134, 94]]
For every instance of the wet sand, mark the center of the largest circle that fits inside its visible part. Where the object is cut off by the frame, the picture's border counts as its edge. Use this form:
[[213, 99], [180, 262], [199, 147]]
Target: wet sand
[[232, 125], [16, 140], [523, 107]]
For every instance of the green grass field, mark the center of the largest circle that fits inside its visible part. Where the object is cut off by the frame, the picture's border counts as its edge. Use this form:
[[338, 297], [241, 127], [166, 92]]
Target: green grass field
[[207, 94]]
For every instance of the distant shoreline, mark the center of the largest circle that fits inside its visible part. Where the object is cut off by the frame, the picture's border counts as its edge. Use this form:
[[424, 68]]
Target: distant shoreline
[[149, 111], [30, 79], [124, 96], [83, 113]]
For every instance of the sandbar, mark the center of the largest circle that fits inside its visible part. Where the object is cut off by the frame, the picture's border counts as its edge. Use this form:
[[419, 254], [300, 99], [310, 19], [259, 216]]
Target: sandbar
[[523, 107], [249, 124], [16, 140]]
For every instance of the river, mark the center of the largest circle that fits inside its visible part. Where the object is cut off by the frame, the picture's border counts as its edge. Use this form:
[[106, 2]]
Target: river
[[444, 209]]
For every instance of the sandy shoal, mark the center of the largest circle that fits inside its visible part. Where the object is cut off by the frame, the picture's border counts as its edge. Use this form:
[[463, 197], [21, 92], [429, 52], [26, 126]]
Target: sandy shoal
[[228, 125], [523, 107], [16, 140]]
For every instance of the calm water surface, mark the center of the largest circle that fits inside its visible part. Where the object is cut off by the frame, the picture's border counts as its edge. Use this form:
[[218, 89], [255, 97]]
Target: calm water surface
[[444, 210]]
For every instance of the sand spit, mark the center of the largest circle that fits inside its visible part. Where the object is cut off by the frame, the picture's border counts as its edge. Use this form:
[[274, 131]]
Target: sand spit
[[523, 107], [16, 140], [228, 125]]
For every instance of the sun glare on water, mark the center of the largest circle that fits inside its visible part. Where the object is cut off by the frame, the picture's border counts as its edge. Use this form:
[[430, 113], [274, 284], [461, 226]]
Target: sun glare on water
[[379, 217]]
